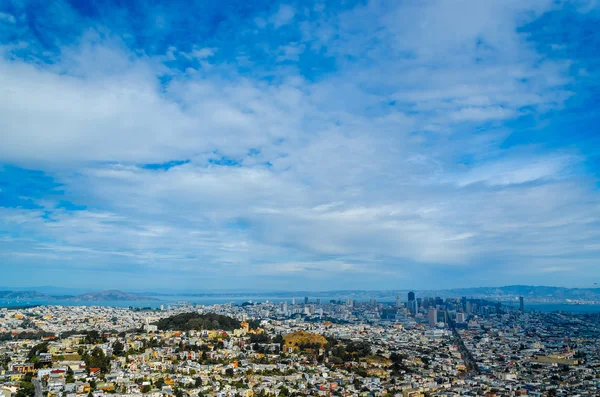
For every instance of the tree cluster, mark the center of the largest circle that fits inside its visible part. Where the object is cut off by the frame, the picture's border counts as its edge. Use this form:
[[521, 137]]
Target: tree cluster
[[351, 351], [195, 321], [97, 359]]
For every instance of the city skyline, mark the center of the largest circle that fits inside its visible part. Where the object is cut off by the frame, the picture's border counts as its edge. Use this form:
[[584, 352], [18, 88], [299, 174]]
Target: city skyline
[[262, 145]]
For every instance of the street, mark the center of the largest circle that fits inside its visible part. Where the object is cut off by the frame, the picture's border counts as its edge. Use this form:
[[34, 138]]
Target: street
[[38, 387]]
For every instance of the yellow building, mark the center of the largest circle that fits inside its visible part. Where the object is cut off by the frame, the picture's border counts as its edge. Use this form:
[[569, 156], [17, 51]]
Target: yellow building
[[245, 326], [412, 393]]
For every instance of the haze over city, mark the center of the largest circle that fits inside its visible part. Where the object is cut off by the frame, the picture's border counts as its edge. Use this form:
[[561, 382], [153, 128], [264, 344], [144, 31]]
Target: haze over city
[[260, 145]]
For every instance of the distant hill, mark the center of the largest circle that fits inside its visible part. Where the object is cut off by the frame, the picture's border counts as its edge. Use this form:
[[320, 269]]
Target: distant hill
[[528, 291], [111, 295], [505, 293], [29, 295], [195, 321]]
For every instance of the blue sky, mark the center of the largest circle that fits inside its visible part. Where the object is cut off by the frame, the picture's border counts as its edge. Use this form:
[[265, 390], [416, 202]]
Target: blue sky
[[299, 145]]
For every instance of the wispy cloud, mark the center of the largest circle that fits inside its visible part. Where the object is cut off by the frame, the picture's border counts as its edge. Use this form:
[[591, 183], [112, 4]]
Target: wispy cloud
[[299, 144]]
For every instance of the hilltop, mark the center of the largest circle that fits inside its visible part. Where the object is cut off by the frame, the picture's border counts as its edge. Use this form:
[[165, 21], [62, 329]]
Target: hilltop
[[195, 321], [303, 339]]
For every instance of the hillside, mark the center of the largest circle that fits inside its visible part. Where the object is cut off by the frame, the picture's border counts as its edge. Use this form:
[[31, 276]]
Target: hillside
[[195, 321], [303, 339], [25, 295], [111, 295]]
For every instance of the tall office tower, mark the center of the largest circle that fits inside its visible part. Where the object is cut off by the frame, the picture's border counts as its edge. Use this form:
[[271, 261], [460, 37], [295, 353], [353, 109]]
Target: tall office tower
[[439, 301], [372, 302], [348, 302], [419, 303], [460, 317], [412, 306], [432, 316], [306, 300], [285, 307], [281, 307], [293, 301], [398, 303], [521, 304], [318, 301], [411, 296], [469, 308]]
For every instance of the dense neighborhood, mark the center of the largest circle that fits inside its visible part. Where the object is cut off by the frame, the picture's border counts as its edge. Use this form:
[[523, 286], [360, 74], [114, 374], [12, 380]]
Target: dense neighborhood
[[340, 348]]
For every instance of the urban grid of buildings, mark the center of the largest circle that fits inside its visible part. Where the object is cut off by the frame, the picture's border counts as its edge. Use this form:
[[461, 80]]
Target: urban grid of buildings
[[415, 347]]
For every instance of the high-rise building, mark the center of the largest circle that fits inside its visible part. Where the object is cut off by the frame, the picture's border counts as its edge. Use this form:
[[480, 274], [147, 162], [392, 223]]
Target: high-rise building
[[460, 317], [372, 302], [412, 306], [521, 304], [419, 303], [411, 296], [318, 301], [293, 301], [432, 316], [398, 304], [306, 300], [283, 307]]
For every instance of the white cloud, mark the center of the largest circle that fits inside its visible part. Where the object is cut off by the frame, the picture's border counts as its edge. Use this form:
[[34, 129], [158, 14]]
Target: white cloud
[[517, 171], [557, 269], [7, 18], [481, 114], [283, 16], [201, 53], [358, 170]]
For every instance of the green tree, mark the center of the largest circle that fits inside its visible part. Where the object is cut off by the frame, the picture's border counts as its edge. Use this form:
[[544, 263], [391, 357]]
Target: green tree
[[97, 359], [35, 360], [4, 360], [118, 348], [70, 378], [26, 389], [37, 349]]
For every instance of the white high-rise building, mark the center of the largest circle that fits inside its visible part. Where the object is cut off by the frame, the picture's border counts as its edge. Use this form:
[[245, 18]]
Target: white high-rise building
[[460, 317], [432, 316]]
